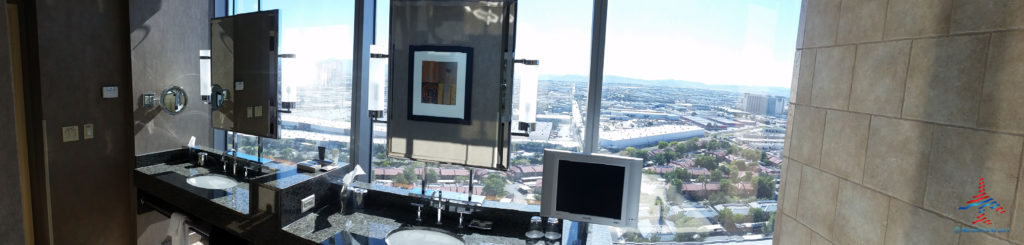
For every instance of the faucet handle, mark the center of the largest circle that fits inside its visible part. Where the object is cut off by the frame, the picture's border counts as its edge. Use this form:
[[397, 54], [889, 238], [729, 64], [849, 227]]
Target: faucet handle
[[419, 210], [462, 212]]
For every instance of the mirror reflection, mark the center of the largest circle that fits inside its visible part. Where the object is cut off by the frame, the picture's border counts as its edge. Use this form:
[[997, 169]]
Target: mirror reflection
[[173, 100], [244, 64]]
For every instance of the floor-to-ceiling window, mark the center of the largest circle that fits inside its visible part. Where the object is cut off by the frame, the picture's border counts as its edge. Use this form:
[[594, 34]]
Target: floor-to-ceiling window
[[318, 79], [699, 90]]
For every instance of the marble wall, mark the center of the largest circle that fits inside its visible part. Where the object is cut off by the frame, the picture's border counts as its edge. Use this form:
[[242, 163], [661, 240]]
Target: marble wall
[[166, 37], [898, 109]]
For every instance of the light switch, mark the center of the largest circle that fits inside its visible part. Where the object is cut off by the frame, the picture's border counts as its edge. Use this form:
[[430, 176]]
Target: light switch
[[87, 131], [148, 100], [70, 133], [109, 92], [308, 203]]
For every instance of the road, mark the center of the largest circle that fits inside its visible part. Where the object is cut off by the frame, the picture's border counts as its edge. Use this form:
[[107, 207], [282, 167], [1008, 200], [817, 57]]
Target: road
[[513, 188]]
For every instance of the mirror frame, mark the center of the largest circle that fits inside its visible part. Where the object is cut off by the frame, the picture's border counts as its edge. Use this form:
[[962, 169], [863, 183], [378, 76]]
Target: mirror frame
[[182, 97]]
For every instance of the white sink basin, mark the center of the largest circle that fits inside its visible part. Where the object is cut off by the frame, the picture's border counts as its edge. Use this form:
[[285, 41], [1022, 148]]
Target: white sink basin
[[212, 181], [422, 236]]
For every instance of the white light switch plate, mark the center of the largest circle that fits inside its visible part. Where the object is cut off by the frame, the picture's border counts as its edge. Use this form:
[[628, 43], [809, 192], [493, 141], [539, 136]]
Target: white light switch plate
[[308, 203], [87, 131], [109, 92], [69, 133]]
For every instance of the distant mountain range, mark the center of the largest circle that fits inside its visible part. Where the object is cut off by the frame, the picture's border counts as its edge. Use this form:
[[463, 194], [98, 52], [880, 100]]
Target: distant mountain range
[[769, 90]]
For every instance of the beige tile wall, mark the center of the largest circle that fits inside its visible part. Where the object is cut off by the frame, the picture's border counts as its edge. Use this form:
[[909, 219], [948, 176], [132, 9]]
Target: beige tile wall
[[899, 108]]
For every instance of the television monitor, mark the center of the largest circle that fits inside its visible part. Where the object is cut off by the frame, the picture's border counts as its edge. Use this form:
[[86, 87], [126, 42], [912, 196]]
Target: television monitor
[[592, 188]]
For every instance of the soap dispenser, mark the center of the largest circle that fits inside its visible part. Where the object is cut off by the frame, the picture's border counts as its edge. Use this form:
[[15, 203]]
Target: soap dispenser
[[323, 153]]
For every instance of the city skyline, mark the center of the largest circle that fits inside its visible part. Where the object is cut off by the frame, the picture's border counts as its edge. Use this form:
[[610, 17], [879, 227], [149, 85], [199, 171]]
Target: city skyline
[[757, 38]]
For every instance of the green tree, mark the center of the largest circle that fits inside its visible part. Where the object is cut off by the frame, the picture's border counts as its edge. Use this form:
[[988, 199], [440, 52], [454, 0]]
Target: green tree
[[521, 161], [400, 178], [751, 154], [432, 176], [706, 162], [410, 174], [494, 185], [765, 187], [759, 215], [628, 151], [717, 198], [726, 187], [677, 184], [678, 173], [727, 218], [740, 165], [716, 175], [768, 229], [662, 145], [724, 170]]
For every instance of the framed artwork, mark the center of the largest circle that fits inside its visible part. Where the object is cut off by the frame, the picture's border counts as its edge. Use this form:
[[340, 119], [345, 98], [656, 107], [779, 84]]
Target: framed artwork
[[440, 83]]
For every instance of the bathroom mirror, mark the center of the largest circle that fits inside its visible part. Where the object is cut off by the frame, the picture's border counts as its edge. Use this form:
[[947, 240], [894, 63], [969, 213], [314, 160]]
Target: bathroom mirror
[[217, 96], [244, 73], [173, 100], [450, 79]]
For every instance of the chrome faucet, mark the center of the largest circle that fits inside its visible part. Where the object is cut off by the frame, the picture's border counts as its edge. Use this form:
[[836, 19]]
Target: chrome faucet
[[439, 205], [234, 159], [224, 163]]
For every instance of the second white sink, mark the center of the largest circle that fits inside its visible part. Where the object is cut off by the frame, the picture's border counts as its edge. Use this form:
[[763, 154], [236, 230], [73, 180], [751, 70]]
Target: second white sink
[[422, 236], [212, 181]]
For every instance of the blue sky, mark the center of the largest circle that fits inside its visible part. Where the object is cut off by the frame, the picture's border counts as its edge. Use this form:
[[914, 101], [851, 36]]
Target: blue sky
[[744, 42]]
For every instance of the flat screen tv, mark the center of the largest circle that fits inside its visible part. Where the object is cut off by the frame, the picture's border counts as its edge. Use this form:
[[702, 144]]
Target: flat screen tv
[[592, 188]]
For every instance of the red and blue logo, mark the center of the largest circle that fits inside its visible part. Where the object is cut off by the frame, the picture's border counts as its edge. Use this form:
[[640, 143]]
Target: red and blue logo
[[983, 202]]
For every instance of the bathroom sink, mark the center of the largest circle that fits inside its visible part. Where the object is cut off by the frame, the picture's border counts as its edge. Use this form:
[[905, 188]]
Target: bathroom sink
[[422, 236], [212, 181]]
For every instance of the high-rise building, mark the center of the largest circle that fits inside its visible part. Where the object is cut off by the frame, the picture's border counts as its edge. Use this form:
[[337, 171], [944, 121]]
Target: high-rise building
[[755, 103], [764, 104]]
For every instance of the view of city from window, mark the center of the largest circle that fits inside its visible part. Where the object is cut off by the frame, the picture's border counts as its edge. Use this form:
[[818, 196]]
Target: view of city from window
[[704, 106]]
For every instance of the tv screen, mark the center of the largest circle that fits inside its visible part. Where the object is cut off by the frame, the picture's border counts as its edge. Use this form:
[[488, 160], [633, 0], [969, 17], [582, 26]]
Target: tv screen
[[590, 189]]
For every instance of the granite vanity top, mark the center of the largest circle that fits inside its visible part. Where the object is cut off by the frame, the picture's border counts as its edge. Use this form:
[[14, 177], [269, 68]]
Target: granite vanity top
[[235, 198], [332, 227], [164, 179]]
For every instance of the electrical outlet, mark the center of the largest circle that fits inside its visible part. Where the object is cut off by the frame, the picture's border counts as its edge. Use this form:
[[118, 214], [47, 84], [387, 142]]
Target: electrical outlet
[[87, 131], [69, 133], [308, 203]]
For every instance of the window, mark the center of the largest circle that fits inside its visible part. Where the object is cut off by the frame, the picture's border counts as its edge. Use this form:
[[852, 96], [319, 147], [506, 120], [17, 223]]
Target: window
[[697, 89], [318, 80]]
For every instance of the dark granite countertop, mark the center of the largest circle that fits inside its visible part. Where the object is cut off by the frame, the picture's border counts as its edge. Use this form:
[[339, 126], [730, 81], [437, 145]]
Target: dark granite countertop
[[332, 227], [235, 198], [163, 178], [287, 175]]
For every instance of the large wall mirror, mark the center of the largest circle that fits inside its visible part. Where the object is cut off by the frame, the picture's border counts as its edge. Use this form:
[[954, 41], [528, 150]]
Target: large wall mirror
[[451, 81], [244, 67]]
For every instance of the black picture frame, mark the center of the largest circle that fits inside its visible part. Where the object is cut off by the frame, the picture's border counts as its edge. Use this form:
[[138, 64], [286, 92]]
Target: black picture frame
[[468, 76]]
